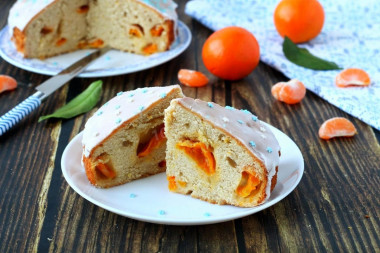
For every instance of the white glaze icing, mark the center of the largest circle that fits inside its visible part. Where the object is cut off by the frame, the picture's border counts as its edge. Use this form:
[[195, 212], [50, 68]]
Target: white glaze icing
[[119, 110], [245, 127]]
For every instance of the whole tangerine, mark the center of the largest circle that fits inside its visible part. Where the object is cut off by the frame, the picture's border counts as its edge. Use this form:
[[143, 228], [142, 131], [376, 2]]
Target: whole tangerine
[[299, 20], [231, 53]]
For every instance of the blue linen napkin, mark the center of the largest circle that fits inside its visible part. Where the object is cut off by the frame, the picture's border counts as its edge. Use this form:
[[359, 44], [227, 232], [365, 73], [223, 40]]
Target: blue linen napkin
[[350, 37]]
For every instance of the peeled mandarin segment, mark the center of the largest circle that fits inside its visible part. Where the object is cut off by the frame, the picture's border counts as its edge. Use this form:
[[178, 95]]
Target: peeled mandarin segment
[[352, 77], [192, 78], [7, 83], [248, 184], [276, 90], [172, 184], [154, 142], [336, 127], [105, 170], [290, 92], [200, 154]]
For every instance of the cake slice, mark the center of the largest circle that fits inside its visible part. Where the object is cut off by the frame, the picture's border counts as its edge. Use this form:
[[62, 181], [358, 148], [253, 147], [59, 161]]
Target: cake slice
[[219, 154], [124, 140]]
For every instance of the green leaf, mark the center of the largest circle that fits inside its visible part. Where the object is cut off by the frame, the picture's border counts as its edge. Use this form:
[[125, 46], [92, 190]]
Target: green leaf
[[303, 58], [82, 103]]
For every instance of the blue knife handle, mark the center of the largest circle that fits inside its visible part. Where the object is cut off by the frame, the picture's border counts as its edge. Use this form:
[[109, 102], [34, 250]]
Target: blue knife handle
[[11, 118]]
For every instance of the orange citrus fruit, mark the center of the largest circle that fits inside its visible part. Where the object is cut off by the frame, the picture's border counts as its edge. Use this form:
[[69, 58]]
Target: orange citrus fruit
[[231, 53], [336, 127], [299, 20], [352, 76], [290, 92], [7, 83], [192, 78]]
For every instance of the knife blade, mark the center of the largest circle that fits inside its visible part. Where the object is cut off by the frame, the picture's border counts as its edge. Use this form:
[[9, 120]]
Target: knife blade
[[15, 115]]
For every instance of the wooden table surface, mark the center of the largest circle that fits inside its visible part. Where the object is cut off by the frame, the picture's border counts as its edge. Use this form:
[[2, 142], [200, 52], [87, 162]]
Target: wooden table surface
[[335, 208]]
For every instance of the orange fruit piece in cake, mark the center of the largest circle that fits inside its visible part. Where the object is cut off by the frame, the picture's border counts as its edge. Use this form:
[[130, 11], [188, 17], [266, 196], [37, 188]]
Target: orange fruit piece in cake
[[7, 83], [199, 152], [172, 184], [60, 42], [231, 53], [290, 92], [105, 170], [154, 142], [151, 48], [248, 184], [299, 20], [336, 127], [352, 77], [192, 78], [104, 166]]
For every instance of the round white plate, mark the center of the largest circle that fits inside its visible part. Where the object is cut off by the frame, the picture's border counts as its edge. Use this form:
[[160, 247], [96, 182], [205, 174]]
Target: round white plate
[[149, 199], [112, 63]]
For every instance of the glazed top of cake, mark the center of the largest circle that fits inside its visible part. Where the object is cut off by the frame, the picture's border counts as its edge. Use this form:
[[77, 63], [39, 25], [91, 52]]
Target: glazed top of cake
[[24, 10], [242, 125], [118, 110]]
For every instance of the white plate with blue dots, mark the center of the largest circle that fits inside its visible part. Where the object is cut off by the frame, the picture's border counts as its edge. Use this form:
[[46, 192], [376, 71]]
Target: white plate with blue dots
[[110, 64], [149, 199]]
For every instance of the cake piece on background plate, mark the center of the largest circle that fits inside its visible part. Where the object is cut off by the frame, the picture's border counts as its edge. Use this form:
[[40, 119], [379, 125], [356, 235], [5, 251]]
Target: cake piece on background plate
[[45, 28]]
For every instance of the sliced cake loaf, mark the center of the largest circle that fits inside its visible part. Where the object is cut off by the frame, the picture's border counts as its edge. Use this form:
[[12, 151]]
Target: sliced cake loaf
[[124, 140], [45, 28], [221, 155]]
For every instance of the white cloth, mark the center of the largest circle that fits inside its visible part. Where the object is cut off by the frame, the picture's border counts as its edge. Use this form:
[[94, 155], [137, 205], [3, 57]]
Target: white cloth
[[350, 37]]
